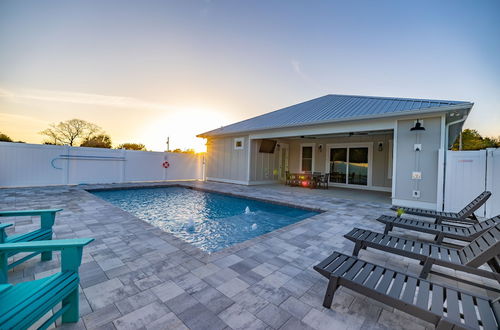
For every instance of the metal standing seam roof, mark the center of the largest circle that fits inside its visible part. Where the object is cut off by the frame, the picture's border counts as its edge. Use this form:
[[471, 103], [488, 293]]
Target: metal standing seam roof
[[333, 107]]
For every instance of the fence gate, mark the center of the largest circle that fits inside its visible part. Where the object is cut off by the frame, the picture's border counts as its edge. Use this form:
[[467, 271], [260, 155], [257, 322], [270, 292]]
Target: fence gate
[[469, 173]]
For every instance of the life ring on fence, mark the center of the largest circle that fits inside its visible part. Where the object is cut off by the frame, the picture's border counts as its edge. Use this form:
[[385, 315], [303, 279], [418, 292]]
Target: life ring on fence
[[166, 164]]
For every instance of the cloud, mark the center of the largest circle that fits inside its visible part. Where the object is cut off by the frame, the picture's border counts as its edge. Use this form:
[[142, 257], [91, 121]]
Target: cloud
[[297, 68], [80, 98], [16, 119]]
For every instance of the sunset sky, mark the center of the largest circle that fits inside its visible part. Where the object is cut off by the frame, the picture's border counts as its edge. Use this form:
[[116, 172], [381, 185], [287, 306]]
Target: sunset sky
[[145, 70]]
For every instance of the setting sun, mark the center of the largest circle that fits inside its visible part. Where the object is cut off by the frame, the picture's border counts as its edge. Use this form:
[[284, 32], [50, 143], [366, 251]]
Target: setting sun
[[179, 127]]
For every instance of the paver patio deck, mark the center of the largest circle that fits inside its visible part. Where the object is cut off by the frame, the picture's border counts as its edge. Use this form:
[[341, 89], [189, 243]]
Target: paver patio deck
[[135, 276]]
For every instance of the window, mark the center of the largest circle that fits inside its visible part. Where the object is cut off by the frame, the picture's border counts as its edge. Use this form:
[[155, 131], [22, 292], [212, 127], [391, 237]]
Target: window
[[307, 157], [238, 143]]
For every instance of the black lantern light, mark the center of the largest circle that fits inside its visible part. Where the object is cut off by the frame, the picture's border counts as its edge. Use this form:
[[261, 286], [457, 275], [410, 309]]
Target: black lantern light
[[418, 127]]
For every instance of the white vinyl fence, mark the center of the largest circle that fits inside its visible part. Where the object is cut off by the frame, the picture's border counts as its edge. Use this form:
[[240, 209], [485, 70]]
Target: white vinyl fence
[[38, 165], [468, 173]]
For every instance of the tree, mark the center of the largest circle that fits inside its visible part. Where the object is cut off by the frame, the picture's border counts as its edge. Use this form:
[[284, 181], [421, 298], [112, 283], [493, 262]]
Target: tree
[[71, 131], [186, 151], [5, 138], [132, 146], [98, 141], [472, 140]]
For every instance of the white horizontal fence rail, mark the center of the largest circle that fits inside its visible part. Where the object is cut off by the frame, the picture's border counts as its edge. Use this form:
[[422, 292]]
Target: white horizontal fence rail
[[24, 164], [469, 173]]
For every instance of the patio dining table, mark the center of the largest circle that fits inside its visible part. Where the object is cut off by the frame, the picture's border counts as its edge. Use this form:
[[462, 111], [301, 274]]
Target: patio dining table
[[304, 179]]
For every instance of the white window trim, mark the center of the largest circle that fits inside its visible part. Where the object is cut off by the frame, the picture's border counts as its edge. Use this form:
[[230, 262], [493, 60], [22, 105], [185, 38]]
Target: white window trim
[[390, 152], [368, 145], [313, 145], [240, 139]]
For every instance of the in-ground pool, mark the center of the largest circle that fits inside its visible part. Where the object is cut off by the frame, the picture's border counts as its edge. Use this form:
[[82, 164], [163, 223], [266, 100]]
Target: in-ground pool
[[207, 220]]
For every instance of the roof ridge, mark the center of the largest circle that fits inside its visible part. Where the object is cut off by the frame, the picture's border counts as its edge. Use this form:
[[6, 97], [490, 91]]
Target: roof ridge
[[398, 98]]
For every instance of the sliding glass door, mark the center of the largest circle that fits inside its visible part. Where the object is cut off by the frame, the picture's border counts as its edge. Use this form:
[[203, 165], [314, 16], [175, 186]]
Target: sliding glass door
[[338, 165], [349, 165]]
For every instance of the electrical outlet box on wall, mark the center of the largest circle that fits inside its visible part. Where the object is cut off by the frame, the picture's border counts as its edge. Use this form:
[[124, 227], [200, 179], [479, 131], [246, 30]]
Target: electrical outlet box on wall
[[416, 194]]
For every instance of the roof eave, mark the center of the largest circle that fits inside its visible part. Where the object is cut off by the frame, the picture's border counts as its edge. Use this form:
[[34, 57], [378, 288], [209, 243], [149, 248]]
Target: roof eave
[[460, 106]]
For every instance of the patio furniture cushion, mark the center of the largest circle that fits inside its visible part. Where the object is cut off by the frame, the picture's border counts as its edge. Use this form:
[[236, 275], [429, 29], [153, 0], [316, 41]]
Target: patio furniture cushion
[[441, 231], [441, 305], [465, 215]]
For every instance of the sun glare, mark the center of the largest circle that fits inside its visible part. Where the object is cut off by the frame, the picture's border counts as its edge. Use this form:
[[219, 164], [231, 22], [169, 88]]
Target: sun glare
[[181, 127]]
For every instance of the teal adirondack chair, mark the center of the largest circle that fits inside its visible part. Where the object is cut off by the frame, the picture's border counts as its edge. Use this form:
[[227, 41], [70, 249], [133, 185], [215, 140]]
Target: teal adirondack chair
[[21, 305], [47, 218]]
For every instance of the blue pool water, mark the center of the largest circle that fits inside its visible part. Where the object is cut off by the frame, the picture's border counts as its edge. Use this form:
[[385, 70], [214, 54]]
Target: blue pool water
[[207, 220]]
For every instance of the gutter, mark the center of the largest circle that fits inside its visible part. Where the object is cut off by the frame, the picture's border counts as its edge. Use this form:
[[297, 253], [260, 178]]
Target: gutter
[[461, 106]]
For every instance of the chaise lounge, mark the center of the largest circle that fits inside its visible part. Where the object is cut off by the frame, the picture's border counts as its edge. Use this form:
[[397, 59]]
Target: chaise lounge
[[484, 249], [47, 219], [466, 215], [438, 304], [25, 303], [440, 231]]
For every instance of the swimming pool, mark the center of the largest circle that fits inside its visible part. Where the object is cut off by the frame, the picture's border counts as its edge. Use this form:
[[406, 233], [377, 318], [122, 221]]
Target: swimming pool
[[207, 220]]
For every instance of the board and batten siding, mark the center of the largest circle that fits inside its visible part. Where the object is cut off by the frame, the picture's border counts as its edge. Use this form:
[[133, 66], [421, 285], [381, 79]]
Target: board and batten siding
[[263, 165], [424, 161], [224, 162]]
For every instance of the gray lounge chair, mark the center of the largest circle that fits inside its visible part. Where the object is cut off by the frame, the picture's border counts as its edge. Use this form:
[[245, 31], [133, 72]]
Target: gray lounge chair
[[484, 249], [466, 215], [445, 307], [441, 231]]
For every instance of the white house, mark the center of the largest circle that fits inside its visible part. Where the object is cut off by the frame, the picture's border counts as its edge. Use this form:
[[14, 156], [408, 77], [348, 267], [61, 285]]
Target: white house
[[364, 142]]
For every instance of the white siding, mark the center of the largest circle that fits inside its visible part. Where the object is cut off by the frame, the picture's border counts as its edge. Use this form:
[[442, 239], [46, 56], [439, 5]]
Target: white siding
[[424, 161], [224, 162]]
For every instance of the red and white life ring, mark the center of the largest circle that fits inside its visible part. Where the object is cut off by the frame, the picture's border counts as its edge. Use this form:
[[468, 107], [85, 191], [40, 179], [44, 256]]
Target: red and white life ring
[[166, 164]]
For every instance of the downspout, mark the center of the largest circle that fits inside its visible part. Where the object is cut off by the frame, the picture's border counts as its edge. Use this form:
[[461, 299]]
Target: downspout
[[446, 151]]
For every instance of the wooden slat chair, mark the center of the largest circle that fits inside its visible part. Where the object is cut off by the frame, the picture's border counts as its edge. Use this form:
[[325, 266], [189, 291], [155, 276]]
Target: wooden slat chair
[[466, 215], [25, 303], [443, 306], [463, 233], [483, 250], [47, 219]]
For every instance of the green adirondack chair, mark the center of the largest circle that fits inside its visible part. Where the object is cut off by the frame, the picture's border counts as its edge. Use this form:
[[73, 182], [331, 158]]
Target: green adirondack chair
[[25, 303], [47, 218]]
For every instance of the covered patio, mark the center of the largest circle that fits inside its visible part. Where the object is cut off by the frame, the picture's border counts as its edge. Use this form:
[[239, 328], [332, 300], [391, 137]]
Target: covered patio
[[355, 160]]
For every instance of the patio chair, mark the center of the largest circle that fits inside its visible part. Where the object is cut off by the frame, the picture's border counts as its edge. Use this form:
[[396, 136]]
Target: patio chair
[[47, 219], [287, 178], [25, 303], [466, 215], [323, 180], [484, 249], [440, 231], [441, 305]]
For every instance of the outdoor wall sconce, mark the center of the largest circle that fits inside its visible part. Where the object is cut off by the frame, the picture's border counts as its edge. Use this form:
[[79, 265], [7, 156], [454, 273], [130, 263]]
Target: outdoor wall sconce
[[380, 146], [418, 127], [320, 148]]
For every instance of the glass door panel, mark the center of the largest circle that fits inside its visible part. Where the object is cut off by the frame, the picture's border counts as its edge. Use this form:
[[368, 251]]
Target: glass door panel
[[358, 166], [338, 165]]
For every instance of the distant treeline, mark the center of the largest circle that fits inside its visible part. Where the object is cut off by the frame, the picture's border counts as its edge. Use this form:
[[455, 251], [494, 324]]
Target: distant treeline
[[81, 133]]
